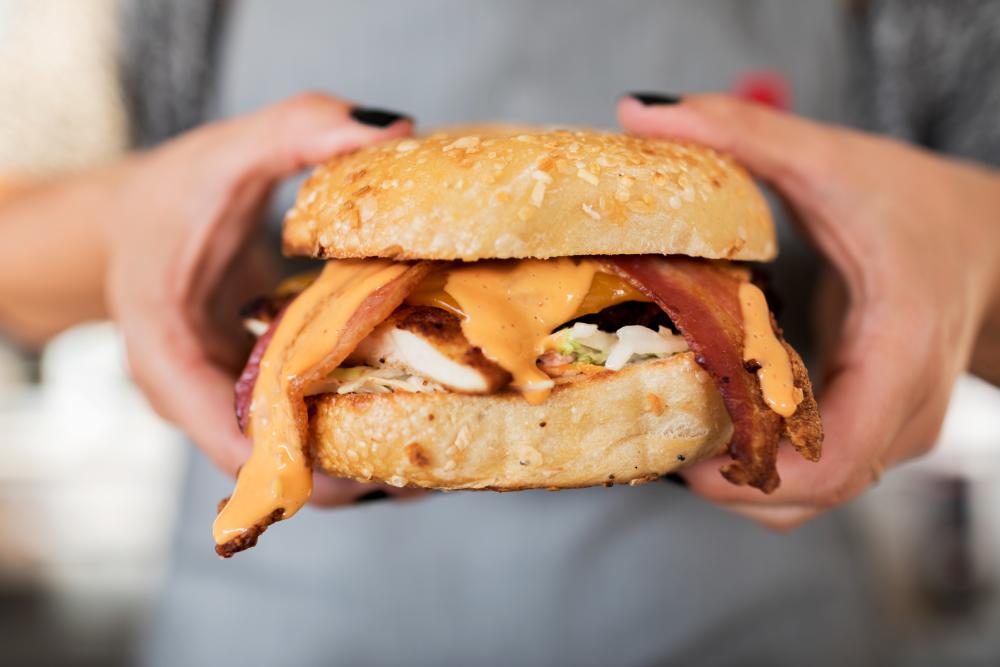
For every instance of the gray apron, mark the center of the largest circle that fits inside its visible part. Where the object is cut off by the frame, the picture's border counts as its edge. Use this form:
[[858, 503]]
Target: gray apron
[[622, 576]]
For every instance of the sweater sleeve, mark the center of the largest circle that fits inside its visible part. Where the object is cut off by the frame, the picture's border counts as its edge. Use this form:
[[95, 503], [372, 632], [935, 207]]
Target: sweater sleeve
[[931, 74], [167, 61]]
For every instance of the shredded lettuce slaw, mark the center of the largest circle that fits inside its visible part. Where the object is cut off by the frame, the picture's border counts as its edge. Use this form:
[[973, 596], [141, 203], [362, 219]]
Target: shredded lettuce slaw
[[579, 344], [587, 344]]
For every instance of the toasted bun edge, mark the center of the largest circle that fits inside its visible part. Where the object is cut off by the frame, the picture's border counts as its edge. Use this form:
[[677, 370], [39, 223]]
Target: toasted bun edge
[[628, 426], [502, 192]]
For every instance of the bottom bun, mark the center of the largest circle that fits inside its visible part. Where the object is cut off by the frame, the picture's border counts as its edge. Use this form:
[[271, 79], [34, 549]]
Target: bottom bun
[[628, 426]]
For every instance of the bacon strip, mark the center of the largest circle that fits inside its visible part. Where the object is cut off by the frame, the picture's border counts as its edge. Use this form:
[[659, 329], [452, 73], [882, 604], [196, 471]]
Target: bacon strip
[[248, 378], [702, 300]]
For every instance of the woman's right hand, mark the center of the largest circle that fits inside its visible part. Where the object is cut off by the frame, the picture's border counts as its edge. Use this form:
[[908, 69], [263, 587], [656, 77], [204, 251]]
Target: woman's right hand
[[181, 254], [914, 239]]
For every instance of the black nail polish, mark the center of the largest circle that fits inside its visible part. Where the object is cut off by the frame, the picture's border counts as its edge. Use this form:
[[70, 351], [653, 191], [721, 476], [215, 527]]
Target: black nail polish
[[376, 117], [655, 99], [371, 497], [674, 478]]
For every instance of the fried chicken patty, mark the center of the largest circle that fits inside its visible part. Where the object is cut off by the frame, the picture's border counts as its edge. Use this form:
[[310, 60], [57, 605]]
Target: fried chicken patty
[[429, 342]]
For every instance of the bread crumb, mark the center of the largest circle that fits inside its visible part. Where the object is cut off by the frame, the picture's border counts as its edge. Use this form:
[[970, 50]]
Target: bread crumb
[[416, 455], [462, 142], [538, 194], [589, 210]]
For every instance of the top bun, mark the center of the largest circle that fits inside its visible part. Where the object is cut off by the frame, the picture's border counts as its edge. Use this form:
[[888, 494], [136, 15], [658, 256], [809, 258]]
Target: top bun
[[511, 192]]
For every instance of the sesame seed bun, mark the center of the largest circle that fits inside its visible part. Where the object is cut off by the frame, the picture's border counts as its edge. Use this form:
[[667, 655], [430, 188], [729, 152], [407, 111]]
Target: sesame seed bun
[[503, 192], [615, 427]]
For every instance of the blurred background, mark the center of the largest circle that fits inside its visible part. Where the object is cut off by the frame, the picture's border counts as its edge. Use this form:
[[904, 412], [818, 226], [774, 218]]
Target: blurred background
[[90, 478]]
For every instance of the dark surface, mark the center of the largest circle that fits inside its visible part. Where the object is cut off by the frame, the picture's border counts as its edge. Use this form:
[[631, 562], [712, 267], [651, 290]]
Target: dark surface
[[35, 631]]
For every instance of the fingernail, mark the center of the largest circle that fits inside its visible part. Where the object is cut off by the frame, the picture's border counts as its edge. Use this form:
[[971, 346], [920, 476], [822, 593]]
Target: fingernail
[[674, 478], [655, 99], [376, 117], [371, 497]]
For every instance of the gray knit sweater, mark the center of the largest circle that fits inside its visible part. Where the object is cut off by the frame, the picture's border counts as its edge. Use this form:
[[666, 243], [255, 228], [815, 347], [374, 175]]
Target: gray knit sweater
[[928, 71]]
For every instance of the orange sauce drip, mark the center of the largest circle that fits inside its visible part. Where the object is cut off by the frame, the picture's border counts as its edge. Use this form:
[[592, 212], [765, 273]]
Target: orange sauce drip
[[606, 290], [277, 475], [510, 307], [777, 382]]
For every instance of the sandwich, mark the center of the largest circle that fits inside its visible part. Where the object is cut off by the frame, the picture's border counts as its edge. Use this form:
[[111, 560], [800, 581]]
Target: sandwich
[[518, 308]]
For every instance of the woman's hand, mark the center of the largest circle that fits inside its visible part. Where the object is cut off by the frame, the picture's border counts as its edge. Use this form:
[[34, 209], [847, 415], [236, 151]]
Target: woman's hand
[[181, 230], [915, 239]]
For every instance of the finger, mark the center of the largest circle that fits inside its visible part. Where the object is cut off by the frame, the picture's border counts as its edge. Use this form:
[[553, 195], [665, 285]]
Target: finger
[[333, 492], [248, 156], [780, 518], [186, 389], [254, 271], [794, 154], [820, 170], [256, 152], [304, 130], [861, 418]]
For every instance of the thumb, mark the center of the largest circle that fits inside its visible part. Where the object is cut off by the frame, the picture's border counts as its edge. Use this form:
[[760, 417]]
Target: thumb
[[793, 154], [244, 158], [822, 171], [303, 130]]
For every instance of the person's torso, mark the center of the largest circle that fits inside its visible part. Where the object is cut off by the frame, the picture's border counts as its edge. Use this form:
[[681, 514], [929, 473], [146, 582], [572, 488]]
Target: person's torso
[[599, 576]]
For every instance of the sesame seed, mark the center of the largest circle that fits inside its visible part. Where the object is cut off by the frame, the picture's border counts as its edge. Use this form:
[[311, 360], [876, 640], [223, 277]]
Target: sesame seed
[[675, 202], [589, 210], [462, 142], [407, 146], [587, 176], [541, 176], [538, 193], [367, 208]]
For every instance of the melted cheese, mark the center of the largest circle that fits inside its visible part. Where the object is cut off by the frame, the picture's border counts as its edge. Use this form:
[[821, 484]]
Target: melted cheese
[[777, 381], [510, 308], [606, 290], [277, 476]]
